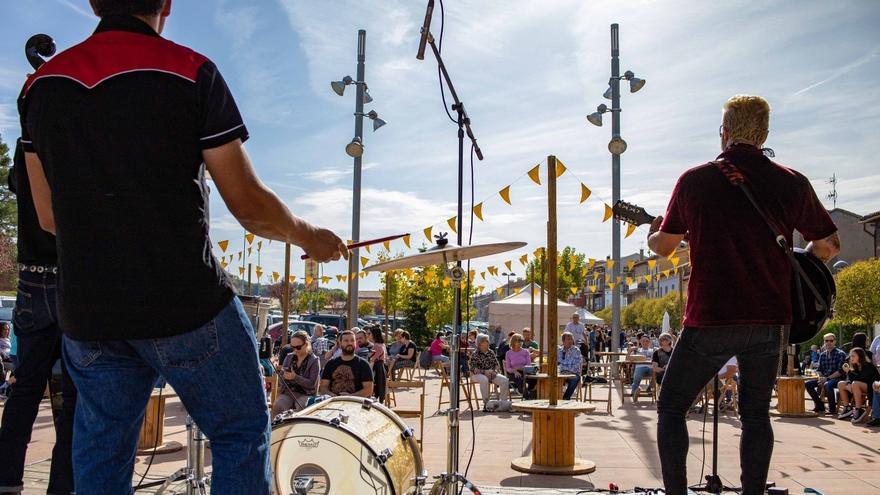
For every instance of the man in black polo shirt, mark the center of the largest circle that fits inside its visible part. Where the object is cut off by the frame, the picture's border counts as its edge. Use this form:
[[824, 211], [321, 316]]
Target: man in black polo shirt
[[116, 130], [35, 323]]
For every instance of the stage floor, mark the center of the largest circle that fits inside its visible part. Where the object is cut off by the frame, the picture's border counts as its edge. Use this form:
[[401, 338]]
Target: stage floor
[[831, 456]]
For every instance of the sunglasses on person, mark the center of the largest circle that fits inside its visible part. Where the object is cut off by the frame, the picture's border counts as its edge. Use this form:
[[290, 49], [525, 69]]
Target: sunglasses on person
[[296, 347], [829, 340]]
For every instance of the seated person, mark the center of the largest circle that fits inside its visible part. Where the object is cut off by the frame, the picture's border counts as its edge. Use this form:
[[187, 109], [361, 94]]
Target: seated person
[[363, 346], [347, 374], [730, 371], [438, 345], [299, 375], [570, 363], [515, 360], [529, 344], [661, 356], [831, 360], [875, 405], [484, 370], [860, 372], [405, 357], [395, 347], [503, 347], [641, 371]]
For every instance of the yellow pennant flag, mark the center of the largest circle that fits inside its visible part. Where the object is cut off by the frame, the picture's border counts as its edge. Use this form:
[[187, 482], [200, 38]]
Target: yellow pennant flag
[[574, 290], [585, 192], [406, 240], [507, 264], [250, 238], [478, 211], [666, 273], [652, 264], [224, 264], [249, 251], [292, 278], [630, 228], [517, 290], [241, 271], [595, 275], [591, 262], [535, 291], [239, 255], [471, 274], [483, 275], [535, 174], [572, 262], [649, 278], [505, 195], [367, 247], [608, 213], [480, 289], [538, 252], [223, 245], [611, 285], [452, 224], [524, 259], [675, 261], [259, 272], [584, 271], [364, 261], [499, 290], [363, 274], [340, 278], [427, 232], [610, 264], [259, 245], [560, 168], [629, 280], [275, 276], [387, 245], [325, 279], [630, 265]]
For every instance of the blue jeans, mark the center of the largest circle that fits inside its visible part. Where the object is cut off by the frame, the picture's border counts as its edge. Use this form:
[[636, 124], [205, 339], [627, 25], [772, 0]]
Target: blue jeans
[[571, 385], [35, 323], [875, 405], [830, 389], [216, 373], [640, 373], [698, 355]]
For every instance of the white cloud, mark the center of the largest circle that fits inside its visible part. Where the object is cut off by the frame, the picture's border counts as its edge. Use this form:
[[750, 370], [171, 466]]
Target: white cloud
[[78, 9]]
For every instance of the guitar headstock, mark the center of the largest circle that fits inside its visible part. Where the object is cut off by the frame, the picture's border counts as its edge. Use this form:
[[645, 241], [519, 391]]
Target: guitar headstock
[[631, 213]]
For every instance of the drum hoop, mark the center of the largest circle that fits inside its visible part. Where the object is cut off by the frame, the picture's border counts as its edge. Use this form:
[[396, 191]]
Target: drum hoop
[[363, 442]]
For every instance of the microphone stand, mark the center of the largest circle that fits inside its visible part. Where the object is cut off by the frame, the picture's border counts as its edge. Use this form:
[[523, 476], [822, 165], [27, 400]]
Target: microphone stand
[[449, 481], [713, 481]]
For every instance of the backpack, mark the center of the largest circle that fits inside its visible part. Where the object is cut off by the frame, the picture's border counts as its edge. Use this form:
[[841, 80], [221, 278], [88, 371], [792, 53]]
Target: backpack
[[425, 358]]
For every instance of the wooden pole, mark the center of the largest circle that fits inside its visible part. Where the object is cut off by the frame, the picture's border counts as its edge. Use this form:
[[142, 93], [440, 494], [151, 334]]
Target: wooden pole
[[532, 307], [285, 296], [541, 311], [250, 288], [552, 318]]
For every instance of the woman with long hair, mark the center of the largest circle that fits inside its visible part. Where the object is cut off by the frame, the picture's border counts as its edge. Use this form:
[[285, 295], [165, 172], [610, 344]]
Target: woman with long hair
[[860, 374], [299, 378], [377, 361]]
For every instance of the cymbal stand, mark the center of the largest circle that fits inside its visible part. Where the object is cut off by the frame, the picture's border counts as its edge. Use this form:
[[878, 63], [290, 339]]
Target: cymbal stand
[[451, 479], [194, 473]]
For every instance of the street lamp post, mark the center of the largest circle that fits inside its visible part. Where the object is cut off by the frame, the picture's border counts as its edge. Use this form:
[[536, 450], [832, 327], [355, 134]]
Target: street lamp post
[[508, 275], [616, 146]]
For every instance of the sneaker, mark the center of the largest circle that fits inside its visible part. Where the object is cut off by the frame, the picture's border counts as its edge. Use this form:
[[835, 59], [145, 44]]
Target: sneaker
[[858, 415], [819, 409], [873, 422], [847, 412], [635, 395]]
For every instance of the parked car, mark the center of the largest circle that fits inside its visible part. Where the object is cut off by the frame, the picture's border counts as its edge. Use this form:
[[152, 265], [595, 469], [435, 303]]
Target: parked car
[[292, 326], [331, 320]]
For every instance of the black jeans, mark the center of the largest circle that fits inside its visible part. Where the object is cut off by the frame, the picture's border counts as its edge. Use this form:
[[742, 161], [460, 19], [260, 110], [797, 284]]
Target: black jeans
[[35, 323], [698, 355]]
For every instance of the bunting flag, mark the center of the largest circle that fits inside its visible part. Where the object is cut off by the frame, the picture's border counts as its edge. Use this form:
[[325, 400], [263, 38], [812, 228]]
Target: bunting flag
[[629, 280], [560, 168], [367, 247], [291, 278], [275, 276], [499, 290], [239, 255], [535, 174], [630, 228], [250, 238], [427, 232], [524, 259], [471, 274], [574, 290], [249, 251], [505, 195], [363, 274], [446, 282], [649, 278], [608, 213], [325, 279], [652, 264], [241, 271], [630, 265], [480, 289], [595, 275], [666, 273], [611, 285], [610, 264], [309, 280], [483, 275], [224, 264], [478, 211], [675, 261], [572, 263], [387, 245], [364, 261], [452, 224], [590, 263], [259, 245], [517, 290], [538, 252], [351, 276], [259, 272], [585, 192], [535, 291], [223, 245], [507, 264], [584, 271], [406, 241], [340, 278]]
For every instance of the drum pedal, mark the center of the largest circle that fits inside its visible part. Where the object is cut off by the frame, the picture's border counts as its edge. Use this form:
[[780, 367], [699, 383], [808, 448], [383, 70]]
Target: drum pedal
[[302, 485]]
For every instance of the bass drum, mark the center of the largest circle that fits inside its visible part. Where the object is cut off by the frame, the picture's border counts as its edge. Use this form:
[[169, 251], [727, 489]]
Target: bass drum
[[345, 445]]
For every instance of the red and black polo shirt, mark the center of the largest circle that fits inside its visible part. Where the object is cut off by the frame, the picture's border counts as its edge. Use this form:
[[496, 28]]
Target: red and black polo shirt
[[119, 122]]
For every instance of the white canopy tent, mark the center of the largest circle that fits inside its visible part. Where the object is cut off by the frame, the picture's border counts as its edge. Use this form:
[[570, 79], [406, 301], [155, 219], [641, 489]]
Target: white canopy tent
[[512, 312]]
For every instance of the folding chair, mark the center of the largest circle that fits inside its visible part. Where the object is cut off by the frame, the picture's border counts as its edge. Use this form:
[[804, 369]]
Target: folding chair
[[410, 412]]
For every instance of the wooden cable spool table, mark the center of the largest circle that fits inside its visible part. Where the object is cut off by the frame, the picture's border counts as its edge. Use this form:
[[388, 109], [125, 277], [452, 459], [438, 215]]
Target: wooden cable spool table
[[790, 397], [544, 383], [553, 438], [153, 427]]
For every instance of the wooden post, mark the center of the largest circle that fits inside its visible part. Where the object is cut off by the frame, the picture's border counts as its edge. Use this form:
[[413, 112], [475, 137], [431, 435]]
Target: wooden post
[[541, 311], [552, 318], [285, 296], [250, 289], [532, 310]]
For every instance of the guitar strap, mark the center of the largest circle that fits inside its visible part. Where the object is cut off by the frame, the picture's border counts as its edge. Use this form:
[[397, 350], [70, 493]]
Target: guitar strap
[[736, 178]]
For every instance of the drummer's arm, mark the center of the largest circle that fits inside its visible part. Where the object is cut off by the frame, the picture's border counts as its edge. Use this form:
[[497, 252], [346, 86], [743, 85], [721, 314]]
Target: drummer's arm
[[367, 391], [324, 389]]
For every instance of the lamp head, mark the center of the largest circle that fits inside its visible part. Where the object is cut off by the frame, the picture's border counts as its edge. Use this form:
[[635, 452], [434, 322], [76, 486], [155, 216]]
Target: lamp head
[[636, 84], [367, 97], [339, 86], [355, 148], [607, 93], [377, 122]]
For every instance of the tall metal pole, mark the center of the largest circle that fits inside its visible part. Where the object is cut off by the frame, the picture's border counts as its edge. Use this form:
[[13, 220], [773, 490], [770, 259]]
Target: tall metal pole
[[615, 188], [354, 258], [285, 296]]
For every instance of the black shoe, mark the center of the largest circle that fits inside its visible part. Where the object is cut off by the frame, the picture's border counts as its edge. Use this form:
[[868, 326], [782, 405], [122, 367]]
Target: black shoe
[[873, 422], [819, 409]]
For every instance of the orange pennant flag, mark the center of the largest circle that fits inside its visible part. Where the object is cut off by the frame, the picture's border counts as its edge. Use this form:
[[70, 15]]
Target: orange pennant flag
[[507, 264], [652, 264], [524, 259], [535, 174], [608, 213], [363, 274], [610, 264], [406, 240], [499, 290], [364, 261], [452, 224], [630, 228], [505, 195], [224, 264], [478, 211], [560, 168], [223, 245], [259, 272], [241, 271], [585, 192], [517, 290], [427, 232], [250, 238], [340, 278], [574, 290], [291, 278], [387, 245], [275, 276]]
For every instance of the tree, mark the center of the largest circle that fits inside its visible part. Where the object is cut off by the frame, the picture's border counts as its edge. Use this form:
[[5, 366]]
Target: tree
[[8, 205], [569, 271], [858, 293], [605, 314], [366, 308]]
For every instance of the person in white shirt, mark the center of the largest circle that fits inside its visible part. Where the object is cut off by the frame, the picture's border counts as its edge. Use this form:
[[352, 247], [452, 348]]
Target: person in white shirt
[[642, 371], [875, 350], [575, 328]]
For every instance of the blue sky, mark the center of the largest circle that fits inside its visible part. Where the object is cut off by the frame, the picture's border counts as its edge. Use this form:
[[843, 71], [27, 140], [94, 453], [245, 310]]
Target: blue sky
[[528, 72]]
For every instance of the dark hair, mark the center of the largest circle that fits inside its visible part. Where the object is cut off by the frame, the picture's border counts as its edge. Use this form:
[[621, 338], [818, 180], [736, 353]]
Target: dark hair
[[863, 356], [860, 339], [128, 7], [404, 334], [376, 332], [344, 333]]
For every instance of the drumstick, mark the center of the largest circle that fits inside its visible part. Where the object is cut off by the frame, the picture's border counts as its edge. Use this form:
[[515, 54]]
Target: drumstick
[[366, 243]]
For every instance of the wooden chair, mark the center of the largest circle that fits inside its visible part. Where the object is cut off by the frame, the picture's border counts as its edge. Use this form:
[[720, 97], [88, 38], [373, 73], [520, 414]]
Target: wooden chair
[[271, 384], [411, 412], [444, 384], [599, 369]]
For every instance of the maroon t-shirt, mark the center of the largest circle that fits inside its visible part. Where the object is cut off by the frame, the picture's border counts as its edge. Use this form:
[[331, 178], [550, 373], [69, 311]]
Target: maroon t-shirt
[[739, 275]]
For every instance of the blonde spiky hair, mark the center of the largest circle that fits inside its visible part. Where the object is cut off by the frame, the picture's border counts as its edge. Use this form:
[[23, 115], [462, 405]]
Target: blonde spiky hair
[[747, 119]]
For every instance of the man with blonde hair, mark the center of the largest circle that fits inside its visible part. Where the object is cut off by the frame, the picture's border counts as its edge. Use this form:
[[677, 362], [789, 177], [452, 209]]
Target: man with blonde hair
[[739, 293]]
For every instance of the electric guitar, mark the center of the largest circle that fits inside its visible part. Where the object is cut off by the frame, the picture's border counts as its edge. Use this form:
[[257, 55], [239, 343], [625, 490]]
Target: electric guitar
[[813, 290]]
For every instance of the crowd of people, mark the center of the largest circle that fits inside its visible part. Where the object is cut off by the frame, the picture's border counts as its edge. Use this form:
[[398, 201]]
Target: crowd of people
[[847, 381]]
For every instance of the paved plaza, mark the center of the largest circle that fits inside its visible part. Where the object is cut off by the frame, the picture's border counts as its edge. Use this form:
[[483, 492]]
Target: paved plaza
[[828, 455]]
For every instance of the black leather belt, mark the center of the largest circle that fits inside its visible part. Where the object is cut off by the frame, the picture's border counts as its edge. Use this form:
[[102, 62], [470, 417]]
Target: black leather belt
[[38, 268]]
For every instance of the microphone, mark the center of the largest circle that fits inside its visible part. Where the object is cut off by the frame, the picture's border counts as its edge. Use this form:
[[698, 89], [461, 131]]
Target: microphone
[[426, 28]]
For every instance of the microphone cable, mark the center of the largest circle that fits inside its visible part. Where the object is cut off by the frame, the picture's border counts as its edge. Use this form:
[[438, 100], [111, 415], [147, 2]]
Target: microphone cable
[[439, 75]]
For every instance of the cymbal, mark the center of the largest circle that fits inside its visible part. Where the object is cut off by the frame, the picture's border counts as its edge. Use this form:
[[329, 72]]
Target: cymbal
[[438, 255]]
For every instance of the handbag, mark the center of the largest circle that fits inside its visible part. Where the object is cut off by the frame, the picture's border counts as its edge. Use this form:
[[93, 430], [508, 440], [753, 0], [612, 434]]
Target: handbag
[[813, 290]]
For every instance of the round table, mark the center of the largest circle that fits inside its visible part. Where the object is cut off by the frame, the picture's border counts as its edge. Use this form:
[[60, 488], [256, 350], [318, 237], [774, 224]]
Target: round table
[[609, 355], [553, 438], [544, 383], [790, 397]]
